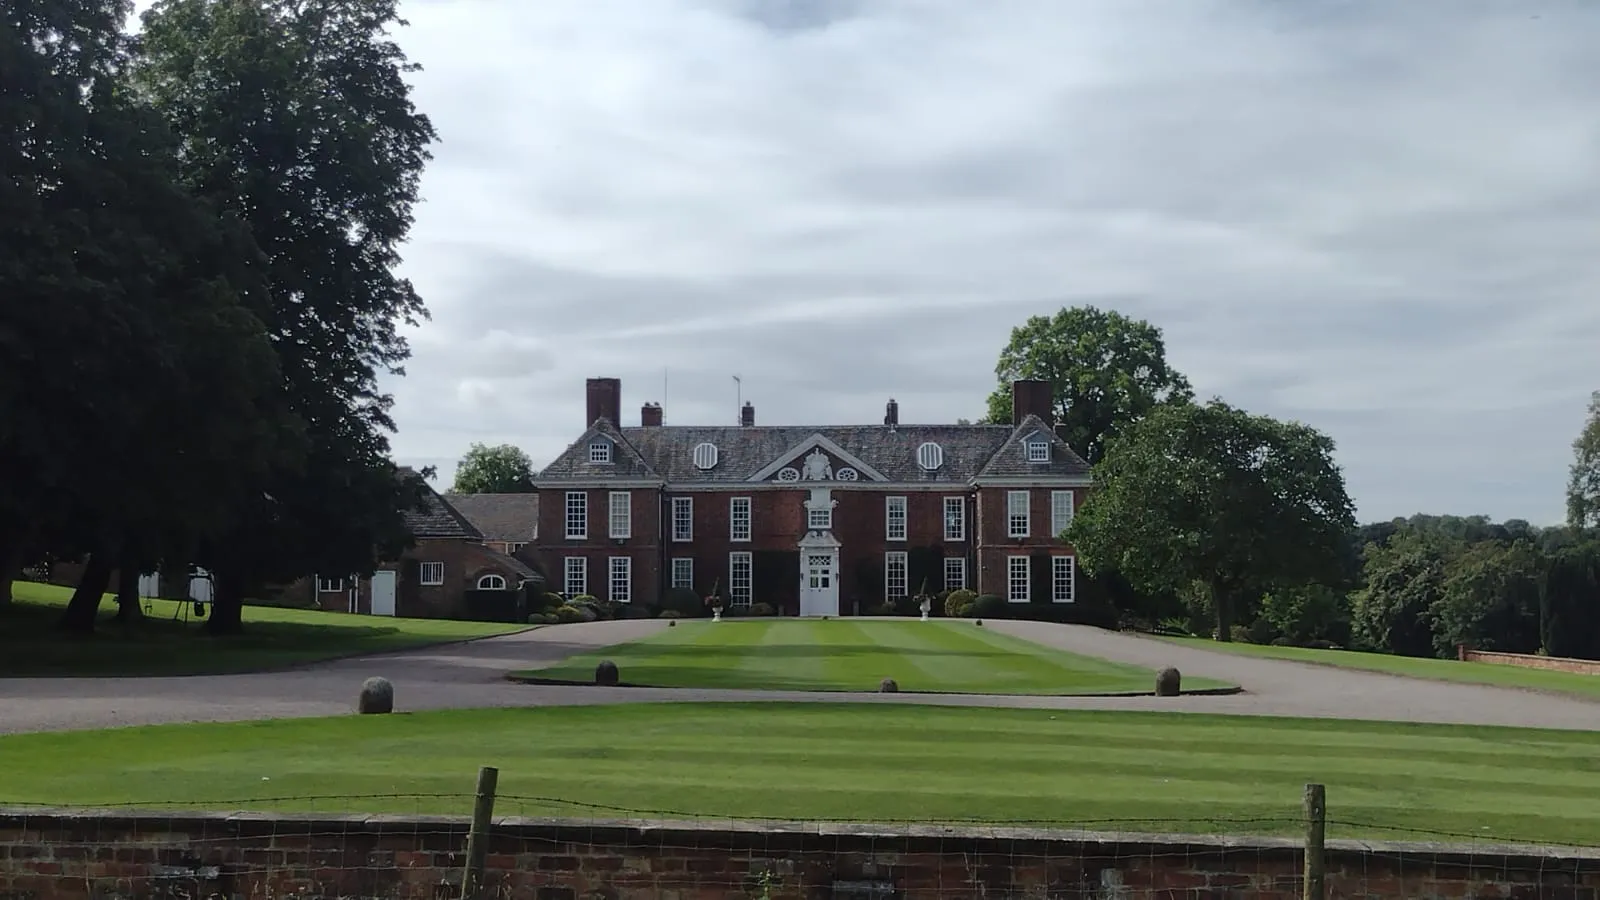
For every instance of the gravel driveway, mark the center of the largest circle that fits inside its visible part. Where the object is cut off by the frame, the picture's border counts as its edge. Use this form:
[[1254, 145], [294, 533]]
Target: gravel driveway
[[470, 675]]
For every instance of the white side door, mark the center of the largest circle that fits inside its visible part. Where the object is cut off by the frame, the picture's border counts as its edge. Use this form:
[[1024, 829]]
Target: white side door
[[383, 584]]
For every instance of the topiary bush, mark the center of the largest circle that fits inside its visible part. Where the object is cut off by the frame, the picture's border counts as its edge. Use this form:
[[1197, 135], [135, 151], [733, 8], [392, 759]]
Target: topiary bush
[[377, 697], [958, 603], [606, 673], [1168, 682], [570, 614], [685, 602], [991, 606], [543, 618], [762, 609], [888, 686]]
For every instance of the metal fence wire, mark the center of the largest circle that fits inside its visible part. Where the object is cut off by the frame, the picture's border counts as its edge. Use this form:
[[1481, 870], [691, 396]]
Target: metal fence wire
[[545, 848]]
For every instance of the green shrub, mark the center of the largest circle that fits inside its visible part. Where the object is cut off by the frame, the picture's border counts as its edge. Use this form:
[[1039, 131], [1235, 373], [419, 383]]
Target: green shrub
[[549, 600], [762, 609], [685, 602], [991, 606], [1240, 634], [571, 613], [542, 618], [668, 614], [882, 609], [958, 604]]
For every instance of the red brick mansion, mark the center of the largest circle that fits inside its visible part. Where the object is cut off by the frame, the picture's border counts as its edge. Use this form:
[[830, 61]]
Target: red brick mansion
[[812, 520]]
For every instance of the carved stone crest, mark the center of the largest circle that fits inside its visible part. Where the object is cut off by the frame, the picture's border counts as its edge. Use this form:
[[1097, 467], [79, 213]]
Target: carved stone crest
[[817, 467]]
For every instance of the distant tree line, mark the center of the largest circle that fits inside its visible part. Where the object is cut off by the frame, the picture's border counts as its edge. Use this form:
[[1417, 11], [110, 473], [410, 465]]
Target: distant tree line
[[1209, 519], [197, 258]]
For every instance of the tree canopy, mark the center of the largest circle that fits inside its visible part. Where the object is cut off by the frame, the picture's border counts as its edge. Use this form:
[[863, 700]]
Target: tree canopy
[[1213, 495], [1583, 488], [1106, 371], [501, 469]]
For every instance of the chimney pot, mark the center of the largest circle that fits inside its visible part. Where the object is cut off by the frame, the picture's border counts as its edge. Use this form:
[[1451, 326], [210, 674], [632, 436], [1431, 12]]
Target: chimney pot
[[891, 413], [650, 415]]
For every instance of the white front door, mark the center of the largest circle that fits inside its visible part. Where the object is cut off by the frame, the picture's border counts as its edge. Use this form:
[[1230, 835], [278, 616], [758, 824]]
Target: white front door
[[383, 593], [819, 583]]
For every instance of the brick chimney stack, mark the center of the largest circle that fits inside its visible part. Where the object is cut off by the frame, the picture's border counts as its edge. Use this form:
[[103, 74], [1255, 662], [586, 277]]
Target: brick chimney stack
[[650, 415], [1032, 397], [747, 415], [605, 400], [891, 413]]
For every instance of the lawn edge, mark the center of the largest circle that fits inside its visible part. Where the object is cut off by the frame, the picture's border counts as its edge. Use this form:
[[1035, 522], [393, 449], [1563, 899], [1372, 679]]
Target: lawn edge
[[1548, 692], [292, 667], [520, 678]]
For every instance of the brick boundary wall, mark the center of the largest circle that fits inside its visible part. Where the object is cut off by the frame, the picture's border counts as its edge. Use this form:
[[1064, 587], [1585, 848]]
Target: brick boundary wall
[[50, 855], [1530, 660]]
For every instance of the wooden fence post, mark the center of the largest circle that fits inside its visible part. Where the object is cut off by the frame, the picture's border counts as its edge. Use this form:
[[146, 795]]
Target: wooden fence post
[[478, 837], [1316, 802]]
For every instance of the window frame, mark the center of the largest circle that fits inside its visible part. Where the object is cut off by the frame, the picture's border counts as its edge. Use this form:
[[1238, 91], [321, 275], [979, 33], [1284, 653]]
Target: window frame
[[819, 518], [1012, 570], [577, 512], [959, 504], [676, 582], [600, 451], [1057, 594], [740, 508], [619, 575], [1037, 450], [741, 595], [959, 565], [422, 573], [894, 560], [330, 585], [492, 575], [1059, 522], [686, 533], [890, 505], [1013, 516], [626, 498], [575, 573]]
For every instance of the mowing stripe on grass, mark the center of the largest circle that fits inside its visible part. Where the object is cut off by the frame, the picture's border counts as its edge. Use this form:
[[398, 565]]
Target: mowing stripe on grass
[[1179, 772], [855, 655]]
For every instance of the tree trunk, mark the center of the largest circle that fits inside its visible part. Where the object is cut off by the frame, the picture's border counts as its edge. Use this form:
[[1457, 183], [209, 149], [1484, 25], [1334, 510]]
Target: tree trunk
[[10, 568], [227, 603], [1223, 602], [85, 603], [129, 609]]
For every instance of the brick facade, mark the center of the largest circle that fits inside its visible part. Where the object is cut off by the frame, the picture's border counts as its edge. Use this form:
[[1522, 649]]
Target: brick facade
[[1530, 661], [45, 856], [778, 470]]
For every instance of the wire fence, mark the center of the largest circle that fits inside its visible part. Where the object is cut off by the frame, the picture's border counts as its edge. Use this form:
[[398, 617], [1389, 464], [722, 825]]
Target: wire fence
[[510, 847]]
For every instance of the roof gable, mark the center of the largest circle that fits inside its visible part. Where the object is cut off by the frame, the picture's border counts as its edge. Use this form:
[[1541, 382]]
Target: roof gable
[[1011, 459], [817, 466], [626, 462], [436, 518]]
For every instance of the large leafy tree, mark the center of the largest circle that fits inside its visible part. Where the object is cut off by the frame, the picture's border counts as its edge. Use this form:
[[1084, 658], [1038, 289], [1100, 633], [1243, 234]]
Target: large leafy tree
[[150, 400], [1583, 488], [1404, 582], [1214, 495], [1107, 372], [1490, 599], [501, 469], [296, 115]]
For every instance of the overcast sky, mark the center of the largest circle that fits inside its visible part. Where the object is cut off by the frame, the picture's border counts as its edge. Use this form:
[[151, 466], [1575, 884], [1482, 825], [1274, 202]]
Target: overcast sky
[[1381, 218]]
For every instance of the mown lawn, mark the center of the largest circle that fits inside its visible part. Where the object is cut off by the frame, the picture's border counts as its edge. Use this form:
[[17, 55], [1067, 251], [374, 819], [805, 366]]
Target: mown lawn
[[848, 762], [274, 638], [846, 655], [1437, 669]]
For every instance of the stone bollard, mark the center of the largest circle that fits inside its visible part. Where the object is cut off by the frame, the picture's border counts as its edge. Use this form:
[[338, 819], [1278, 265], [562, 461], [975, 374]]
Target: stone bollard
[[672, 623], [888, 686], [606, 673], [377, 697], [978, 622], [1168, 682]]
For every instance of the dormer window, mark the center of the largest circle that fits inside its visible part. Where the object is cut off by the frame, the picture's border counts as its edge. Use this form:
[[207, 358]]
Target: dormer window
[[705, 456], [1038, 450], [600, 451], [930, 456]]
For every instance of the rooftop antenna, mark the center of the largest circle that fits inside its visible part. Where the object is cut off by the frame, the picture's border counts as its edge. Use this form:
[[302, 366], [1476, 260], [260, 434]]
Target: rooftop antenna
[[663, 386], [738, 400]]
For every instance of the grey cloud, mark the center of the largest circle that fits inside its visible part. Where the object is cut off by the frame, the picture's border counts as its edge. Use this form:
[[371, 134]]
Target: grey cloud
[[1376, 217]]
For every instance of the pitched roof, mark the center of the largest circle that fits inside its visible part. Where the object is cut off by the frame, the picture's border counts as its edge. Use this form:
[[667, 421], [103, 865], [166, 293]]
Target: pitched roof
[[666, 452], [500, 517], [438, 519]]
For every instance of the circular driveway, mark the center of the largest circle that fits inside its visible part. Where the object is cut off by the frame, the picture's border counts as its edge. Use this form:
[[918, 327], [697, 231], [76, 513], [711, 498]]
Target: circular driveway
[[471, 675]]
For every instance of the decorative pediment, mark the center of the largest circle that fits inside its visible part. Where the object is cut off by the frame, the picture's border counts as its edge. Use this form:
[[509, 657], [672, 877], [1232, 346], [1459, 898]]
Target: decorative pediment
[[817, 459]]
